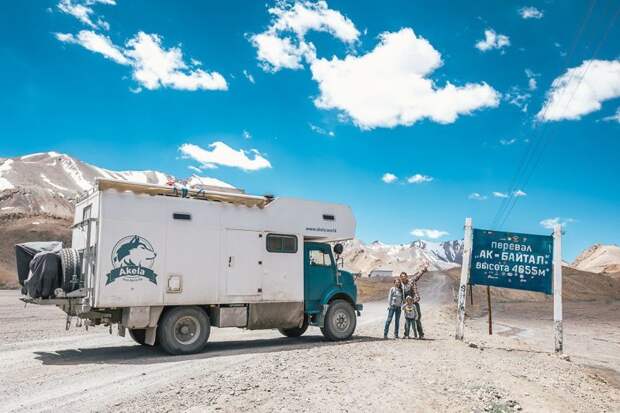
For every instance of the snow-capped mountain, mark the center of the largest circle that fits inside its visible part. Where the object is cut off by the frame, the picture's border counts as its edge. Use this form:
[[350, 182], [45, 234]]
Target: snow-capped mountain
[[45, 183], [599, 258], [364, 258]]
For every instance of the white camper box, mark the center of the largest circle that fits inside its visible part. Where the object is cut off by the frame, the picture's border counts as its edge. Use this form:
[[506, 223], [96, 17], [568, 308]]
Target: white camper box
[[203, 248]]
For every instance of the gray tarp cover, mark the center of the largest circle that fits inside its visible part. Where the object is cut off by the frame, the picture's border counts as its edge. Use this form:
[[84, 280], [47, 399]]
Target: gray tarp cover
[[45, 272], [24, 255]]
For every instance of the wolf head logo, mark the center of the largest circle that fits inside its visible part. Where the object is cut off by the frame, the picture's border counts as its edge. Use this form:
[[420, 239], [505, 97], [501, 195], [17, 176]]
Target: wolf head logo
[[132, 260], [136, 252]]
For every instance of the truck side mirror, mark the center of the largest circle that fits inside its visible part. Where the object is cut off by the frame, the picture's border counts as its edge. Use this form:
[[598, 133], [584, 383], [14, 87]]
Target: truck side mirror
[[338, 248]]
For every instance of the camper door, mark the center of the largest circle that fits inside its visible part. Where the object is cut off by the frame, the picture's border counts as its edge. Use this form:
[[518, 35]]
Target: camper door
[[243, 262]]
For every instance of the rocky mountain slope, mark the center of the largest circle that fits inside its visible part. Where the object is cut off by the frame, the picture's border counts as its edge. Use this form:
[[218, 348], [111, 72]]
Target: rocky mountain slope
[[599, 258], [364, 258], [37, 192], [45, 183]]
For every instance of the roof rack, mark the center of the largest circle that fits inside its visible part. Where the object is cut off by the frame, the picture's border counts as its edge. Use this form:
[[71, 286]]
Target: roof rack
[[207, 193]]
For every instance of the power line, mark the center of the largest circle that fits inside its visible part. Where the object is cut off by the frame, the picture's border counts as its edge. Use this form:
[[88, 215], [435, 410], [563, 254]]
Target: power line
[[534, 143], [545, 143]]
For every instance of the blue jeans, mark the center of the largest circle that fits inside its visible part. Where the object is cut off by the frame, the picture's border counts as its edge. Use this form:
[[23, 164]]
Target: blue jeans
[[393, 310], [410, 325]]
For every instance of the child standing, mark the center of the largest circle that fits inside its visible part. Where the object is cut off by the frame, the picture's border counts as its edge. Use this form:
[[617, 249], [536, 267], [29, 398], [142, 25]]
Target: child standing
[[411, 315], [395, 301]]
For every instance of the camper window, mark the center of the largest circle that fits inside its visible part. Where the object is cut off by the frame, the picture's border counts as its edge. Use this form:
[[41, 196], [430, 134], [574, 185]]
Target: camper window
[[282, 243], [318, 257]]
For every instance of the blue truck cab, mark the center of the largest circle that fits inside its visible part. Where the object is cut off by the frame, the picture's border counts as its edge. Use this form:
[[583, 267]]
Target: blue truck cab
[[330, 294]]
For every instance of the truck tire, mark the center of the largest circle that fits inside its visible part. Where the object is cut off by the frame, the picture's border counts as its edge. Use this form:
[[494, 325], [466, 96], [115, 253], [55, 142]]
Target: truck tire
[[183, 330], [340, 321], [70, 265], [295, 331]]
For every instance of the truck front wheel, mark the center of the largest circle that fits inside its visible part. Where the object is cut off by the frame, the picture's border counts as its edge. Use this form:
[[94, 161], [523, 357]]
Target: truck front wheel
[[184, 330], [295, 331], [340, 321]]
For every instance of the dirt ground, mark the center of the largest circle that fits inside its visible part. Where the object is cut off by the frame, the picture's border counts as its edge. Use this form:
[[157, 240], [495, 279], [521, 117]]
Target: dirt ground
[[45, 368]]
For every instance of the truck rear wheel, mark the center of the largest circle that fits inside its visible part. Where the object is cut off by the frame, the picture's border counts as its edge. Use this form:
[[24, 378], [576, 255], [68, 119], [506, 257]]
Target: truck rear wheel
[[184, 330], [295, 331], [340, 321]]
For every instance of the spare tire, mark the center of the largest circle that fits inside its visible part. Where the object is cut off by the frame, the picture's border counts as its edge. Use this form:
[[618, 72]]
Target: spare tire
[[70, 265]]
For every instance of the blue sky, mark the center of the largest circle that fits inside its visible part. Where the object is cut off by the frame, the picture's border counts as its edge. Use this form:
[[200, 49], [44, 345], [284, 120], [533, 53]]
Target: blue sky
[[332, 97]]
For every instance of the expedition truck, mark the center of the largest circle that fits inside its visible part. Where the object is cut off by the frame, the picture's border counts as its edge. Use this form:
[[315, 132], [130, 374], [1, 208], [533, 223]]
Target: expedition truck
[[167, 264]]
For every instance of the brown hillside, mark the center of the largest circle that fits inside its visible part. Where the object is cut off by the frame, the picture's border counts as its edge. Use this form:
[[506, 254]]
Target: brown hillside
[[18, 229]]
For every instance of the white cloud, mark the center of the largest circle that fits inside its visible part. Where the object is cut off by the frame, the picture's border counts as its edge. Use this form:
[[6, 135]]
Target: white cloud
[[218, 153], [518, 98], [477, 197], [301, 17], [83, 11], [194, 168], [428, 233], [97, 43], [248, 76], [531, 13], [321, 131], [500, 194], [153, 66], [388, 86], [283, 44], [507, 142], [531, 79], [518, 193], [550, 223], [581, 90], [246, 134], [419, 179], [388, 178], [492, 40], [613, 118], [277, 53]]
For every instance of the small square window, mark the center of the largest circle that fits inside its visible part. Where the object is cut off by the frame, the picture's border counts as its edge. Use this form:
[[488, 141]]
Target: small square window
[[282, 243]]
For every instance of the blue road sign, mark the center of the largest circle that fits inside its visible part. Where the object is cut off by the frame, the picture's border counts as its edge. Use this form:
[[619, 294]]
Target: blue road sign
[[512, 260]]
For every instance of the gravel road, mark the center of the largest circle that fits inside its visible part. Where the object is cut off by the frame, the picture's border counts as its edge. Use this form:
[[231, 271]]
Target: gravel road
[[45, 368]]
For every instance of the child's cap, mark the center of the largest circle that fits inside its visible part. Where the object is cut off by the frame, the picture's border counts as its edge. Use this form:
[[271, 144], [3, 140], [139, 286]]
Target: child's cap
[[409, 297]]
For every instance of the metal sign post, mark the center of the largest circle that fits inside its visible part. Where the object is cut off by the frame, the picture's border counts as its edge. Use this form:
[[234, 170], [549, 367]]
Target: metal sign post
[[460, 320], [557, 289], [489, 307]]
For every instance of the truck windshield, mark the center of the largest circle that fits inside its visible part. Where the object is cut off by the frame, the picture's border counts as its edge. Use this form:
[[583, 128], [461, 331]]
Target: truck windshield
[[318, 257]]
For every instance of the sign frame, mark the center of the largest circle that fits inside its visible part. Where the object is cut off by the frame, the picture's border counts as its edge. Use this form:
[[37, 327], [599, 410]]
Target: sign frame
[[556, 286]]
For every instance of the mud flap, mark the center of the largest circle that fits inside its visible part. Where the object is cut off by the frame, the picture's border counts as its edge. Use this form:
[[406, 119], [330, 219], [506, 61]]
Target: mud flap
[[149, 335], [358, 309], [145, 318]]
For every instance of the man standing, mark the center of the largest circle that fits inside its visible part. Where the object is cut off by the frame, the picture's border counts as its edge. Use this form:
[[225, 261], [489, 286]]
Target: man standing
[[409, 286]]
